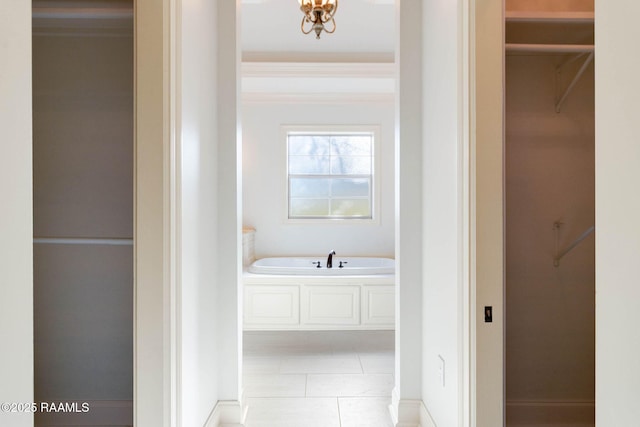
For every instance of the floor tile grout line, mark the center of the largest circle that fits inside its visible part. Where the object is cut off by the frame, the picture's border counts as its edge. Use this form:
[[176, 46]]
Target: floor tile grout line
[[339, 415]]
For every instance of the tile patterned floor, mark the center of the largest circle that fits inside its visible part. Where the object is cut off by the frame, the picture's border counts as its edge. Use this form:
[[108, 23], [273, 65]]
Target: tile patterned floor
[[323, 379]]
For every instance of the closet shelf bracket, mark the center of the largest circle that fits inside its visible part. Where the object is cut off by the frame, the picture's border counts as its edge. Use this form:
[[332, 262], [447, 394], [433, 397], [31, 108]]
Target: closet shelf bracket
[[560, 99], [558, 255]]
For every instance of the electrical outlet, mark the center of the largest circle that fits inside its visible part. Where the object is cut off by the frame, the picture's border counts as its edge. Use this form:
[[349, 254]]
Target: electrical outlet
[[441, 370]]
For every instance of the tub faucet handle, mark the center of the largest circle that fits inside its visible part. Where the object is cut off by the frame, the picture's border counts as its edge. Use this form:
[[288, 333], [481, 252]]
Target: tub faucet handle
[[330, 259], [316, 263]]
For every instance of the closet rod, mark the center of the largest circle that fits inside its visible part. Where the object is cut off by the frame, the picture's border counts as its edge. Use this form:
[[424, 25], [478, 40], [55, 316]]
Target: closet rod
[[82, 241], [549, 48], [81, 13]]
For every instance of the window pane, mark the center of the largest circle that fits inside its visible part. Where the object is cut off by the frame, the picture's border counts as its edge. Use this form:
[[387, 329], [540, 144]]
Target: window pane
[[350, 187], [309, 165], [308, 207], [351, 145], [351, 207], [351, 165], [308, 187], [330, 175], [308, 145]]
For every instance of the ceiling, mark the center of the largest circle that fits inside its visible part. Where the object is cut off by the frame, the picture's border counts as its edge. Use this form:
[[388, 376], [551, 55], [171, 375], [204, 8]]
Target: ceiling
[[270, 29], [271, 32], [354, 63]]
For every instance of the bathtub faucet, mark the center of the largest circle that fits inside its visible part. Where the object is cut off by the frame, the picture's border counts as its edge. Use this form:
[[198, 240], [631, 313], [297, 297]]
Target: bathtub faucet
[[330, 259]]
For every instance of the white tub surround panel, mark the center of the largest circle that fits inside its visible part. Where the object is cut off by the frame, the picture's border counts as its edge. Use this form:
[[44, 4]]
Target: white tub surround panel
[[279, 302]]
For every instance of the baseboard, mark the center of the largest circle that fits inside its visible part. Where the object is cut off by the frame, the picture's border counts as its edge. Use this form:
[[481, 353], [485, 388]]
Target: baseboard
[[425, 417], [409, 412], [550, 412], [99, 413], [227, 413]]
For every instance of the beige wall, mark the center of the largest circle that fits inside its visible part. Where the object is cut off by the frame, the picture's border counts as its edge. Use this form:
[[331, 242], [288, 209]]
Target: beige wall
[[16, 220], [487, 210], [550, 353], [617, 213]]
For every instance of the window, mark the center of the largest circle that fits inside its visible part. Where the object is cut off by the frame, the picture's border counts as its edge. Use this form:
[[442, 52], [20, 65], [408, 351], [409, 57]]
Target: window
[[330, 174]]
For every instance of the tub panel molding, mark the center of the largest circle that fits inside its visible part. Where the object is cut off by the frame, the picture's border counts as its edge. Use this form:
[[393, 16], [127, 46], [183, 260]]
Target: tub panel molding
[[330, 305], [278, 303], [378, 305], [272, 305]]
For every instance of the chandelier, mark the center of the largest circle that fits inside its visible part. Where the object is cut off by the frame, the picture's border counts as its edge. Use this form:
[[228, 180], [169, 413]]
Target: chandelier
[[317, 13]]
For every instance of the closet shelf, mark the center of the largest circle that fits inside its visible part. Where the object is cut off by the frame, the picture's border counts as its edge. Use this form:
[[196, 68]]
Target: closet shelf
[[550, 17], [548, 48], [556, 33]]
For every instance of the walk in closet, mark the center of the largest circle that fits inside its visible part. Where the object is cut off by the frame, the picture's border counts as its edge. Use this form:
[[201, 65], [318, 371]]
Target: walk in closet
[[550, 199], [83, 209]]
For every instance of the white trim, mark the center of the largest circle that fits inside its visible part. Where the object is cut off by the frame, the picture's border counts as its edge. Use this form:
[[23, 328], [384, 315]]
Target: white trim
[[466, 331], [319, 69], [154, 267], [310, 81], [100, 413], [425, 417], [405, 412], [318, 99], [409, 413], [227, 413], [314, 56]]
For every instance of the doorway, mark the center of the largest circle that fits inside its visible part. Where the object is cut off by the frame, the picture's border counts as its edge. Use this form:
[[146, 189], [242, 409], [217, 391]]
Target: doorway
[[550, 217], [344, 80], [83, 211]]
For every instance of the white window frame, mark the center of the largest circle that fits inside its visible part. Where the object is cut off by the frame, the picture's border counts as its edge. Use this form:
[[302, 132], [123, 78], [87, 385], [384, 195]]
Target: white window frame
[[376, 172]]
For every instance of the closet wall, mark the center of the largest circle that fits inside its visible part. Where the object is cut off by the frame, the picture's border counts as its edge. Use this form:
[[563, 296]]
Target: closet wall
[[83, 211], [550, 172]]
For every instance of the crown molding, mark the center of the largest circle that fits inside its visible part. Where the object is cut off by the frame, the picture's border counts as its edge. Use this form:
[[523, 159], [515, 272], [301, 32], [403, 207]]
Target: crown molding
[[317, 99], [318, 82], [319, 70]]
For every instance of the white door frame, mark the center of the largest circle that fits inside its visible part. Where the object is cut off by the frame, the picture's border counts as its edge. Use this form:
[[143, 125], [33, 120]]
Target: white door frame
[[480, 359]]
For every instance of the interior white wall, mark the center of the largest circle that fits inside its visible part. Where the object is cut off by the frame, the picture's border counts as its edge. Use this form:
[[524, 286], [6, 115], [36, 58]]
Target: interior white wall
[[617, 213], [16, 304], [550, 343], [198, 205], [265, 184], [442, 150], [228, 190], [408, 213]]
